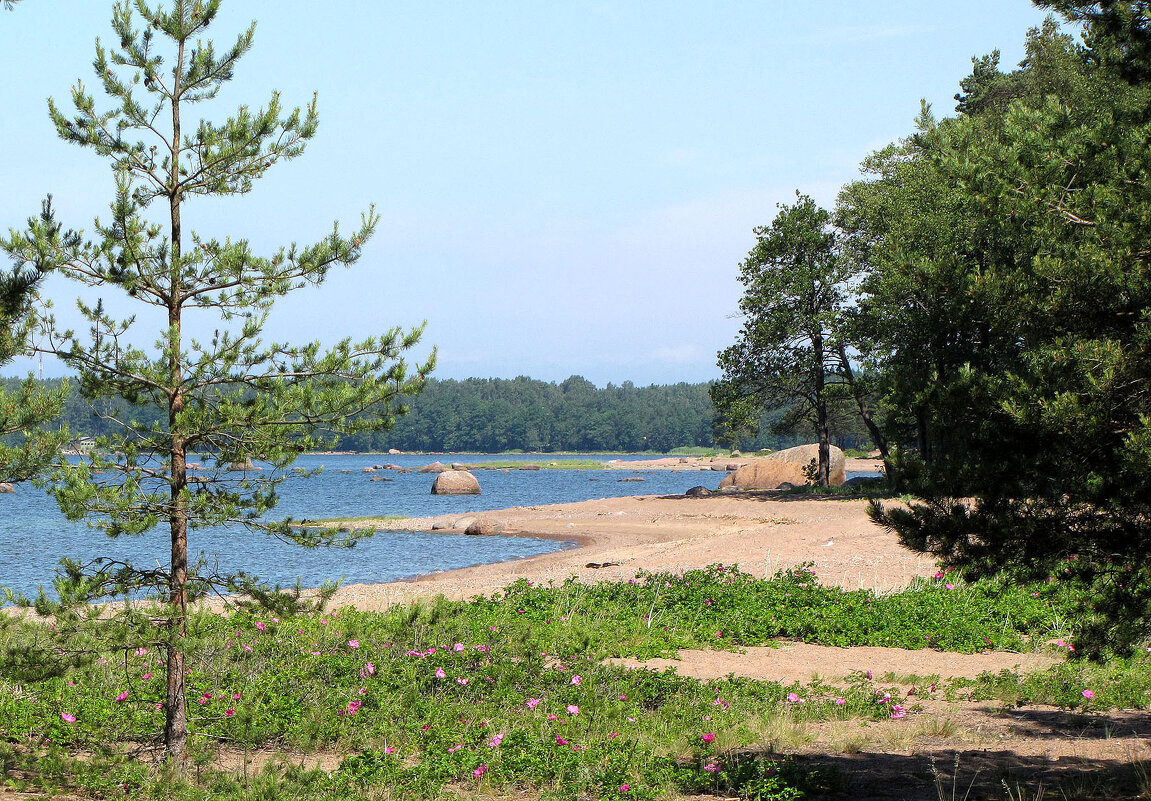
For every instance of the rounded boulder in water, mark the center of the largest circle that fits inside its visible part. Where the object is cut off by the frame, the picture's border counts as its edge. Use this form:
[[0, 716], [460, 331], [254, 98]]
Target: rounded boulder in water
[[456, 482]]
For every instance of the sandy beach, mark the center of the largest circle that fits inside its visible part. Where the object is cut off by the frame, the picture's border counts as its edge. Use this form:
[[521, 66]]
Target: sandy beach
[[616, 537]]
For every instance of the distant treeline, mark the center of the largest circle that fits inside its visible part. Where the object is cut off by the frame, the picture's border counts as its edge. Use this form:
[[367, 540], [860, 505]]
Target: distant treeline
[[493, 415]]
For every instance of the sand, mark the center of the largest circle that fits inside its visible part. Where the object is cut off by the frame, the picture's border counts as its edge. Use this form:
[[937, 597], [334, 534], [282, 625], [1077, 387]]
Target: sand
[[762, 534]]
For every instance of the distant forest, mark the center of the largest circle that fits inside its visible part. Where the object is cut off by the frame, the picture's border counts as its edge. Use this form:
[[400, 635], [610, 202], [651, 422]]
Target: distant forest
[[493, 415]]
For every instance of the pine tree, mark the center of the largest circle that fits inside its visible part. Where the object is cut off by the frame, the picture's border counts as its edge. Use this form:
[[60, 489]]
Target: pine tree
[[232, 398], [30, 406], [1009, 280], [794, 304]]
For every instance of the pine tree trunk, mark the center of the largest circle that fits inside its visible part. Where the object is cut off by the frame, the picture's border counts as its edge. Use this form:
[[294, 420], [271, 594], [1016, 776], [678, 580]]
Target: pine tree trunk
[[176, 710], [821, 414], [176, 719], [865, 415]]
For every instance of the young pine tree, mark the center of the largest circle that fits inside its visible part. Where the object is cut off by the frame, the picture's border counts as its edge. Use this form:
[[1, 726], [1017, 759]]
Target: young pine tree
[[230, 397]]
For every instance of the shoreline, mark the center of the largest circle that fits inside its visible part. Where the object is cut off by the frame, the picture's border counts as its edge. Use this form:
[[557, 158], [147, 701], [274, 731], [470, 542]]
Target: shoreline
[[615, 538]]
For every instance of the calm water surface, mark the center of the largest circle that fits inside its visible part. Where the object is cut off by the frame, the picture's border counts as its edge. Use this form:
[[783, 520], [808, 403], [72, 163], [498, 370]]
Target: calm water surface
[[34, 536]]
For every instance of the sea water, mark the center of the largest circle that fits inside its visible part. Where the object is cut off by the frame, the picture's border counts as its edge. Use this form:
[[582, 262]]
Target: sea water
[[34, 535]]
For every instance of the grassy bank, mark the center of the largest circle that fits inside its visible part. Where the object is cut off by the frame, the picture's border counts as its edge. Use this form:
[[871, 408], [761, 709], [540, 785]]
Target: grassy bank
[[566, 464], [484, 697]]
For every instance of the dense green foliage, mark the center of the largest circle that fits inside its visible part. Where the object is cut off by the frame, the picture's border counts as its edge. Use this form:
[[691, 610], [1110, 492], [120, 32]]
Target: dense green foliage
[[513, 691], [523, 414], [24, 406], [991, 274], [1030, 382], [494, 415]]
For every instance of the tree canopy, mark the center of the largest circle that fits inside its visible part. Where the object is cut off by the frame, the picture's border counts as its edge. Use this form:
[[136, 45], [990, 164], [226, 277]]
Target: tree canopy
[[795, 292], [1006, 303]]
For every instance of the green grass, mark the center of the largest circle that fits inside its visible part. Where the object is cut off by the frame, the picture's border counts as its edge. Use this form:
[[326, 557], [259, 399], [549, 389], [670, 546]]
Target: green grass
[[543, 464], [437, 697], [696, 451]]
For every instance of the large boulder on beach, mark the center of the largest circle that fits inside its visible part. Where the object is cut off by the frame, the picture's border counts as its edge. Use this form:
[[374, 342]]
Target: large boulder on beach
[[456, 482], [484, 527], [784, 467], [434, 467]]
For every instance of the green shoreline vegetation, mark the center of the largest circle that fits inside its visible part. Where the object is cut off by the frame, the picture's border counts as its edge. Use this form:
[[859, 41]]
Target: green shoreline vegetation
[[566, 464], [480, 697]]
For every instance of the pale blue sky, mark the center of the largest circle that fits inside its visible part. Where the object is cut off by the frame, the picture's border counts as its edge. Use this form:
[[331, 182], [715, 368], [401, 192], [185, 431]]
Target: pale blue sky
[[566, 188]]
